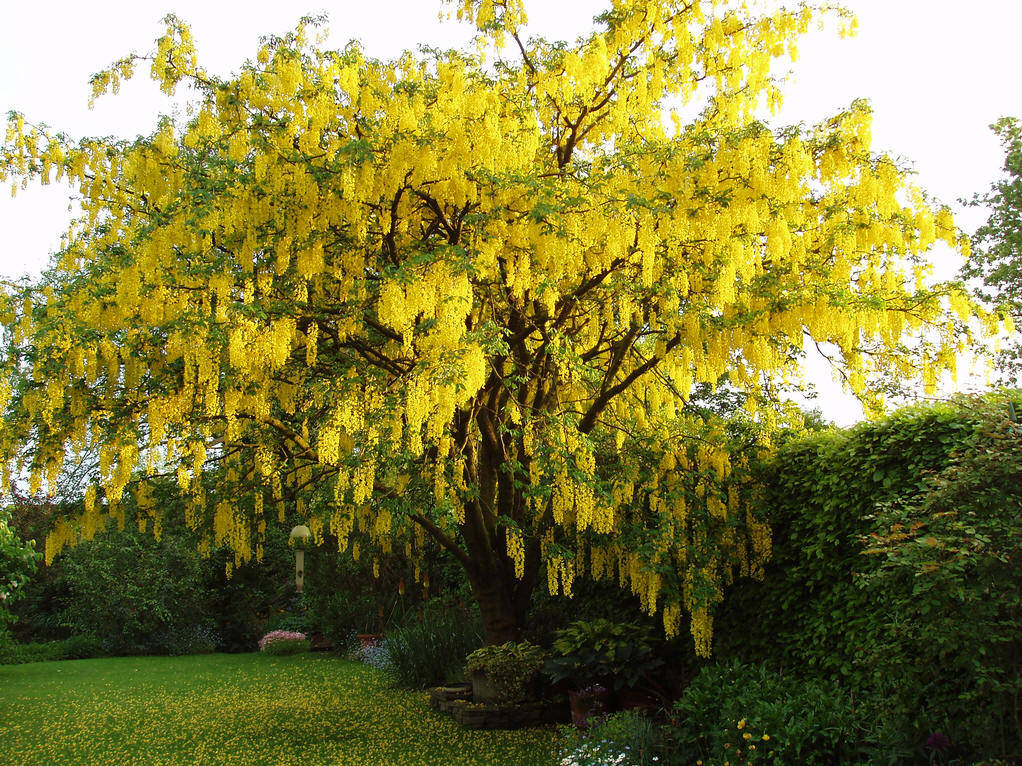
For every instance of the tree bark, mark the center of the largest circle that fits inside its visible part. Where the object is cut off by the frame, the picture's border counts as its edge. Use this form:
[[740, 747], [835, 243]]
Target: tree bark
[[502, 620]]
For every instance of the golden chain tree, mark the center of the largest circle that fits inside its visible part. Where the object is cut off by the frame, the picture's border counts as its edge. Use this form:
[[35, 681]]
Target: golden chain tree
[[465, 295]]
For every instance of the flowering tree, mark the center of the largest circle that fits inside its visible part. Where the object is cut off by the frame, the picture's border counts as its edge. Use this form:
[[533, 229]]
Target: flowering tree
[[466, 296]]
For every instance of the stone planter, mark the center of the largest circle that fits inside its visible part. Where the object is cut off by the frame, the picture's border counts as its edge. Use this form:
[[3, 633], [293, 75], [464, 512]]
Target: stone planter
[[455, 700], [484, 691]]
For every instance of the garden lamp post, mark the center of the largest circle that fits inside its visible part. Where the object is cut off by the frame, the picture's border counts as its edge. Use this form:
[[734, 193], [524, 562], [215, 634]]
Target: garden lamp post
[[299, 536]]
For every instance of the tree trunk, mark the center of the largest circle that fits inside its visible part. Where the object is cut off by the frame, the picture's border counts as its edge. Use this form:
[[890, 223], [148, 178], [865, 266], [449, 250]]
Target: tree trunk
[[503, 598], [503, 621]]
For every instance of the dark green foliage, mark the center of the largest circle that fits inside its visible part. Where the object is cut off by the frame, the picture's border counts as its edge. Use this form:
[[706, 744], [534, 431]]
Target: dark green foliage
[[614, 654], [819, 494], [74, 648], [297, 623], [256, 592], [510, 668], [18, 560], [950, 561], [285, 648], [342, 596], [137, 595], [926, 627], [591, 600], [430, 646], [750, 714]]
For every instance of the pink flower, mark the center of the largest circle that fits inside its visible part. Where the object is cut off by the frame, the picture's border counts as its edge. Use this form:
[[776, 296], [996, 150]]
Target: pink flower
[[280, 635]]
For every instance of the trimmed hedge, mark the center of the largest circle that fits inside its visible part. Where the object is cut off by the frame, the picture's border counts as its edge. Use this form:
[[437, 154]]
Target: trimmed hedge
[[828, 609]]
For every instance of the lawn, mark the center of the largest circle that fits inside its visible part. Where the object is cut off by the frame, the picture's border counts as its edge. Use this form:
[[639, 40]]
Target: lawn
[[236, 709]]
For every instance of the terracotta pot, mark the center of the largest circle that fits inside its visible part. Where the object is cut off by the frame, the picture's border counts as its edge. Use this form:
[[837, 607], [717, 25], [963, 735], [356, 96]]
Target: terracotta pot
[[365, 640]]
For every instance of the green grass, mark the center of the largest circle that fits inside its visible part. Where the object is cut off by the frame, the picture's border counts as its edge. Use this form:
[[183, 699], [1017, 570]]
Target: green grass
[[236, 709]]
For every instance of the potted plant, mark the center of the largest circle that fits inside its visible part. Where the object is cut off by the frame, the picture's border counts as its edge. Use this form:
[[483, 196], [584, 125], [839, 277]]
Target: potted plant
[[505, 674], [597, 655]]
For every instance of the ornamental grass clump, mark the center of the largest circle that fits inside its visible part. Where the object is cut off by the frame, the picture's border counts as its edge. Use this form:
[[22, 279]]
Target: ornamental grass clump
[[429, 648], [284, 642]]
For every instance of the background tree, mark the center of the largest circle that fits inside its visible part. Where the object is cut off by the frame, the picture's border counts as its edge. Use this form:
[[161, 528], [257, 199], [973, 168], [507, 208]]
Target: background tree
[[466, 295], [997, 245], [18, 560]]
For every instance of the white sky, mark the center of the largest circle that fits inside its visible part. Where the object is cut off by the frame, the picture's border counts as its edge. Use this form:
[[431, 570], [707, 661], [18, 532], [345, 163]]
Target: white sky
[[938, 72]]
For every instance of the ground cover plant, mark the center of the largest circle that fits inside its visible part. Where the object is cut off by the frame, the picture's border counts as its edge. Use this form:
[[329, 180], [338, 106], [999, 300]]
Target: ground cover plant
[[237, 709], [430, 646]]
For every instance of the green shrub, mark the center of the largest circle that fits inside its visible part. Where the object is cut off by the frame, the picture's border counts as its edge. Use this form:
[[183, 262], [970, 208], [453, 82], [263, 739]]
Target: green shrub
[[132, 592], [287, 647], [430, 647], [750, 714], [342, 596], [510, 669], [82, 647], [18, 560], [176, 640], [614, 654], [929, 624], [143, 596], [73, 648], [16, 653], [950, 647], [299, 623], [819, 494]]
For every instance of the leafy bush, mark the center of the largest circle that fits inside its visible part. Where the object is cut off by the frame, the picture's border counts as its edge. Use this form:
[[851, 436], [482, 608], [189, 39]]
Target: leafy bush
[[16, 653], [148, 596], [430, 647], [617, 655], [82, 647], [74, 648], [132, 592], [509, 668], [929, 624], [178, 640], [750, 714], [287, 647], [949, 562], [342, 596], [298, 623], [819, 493], [18, 561]]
